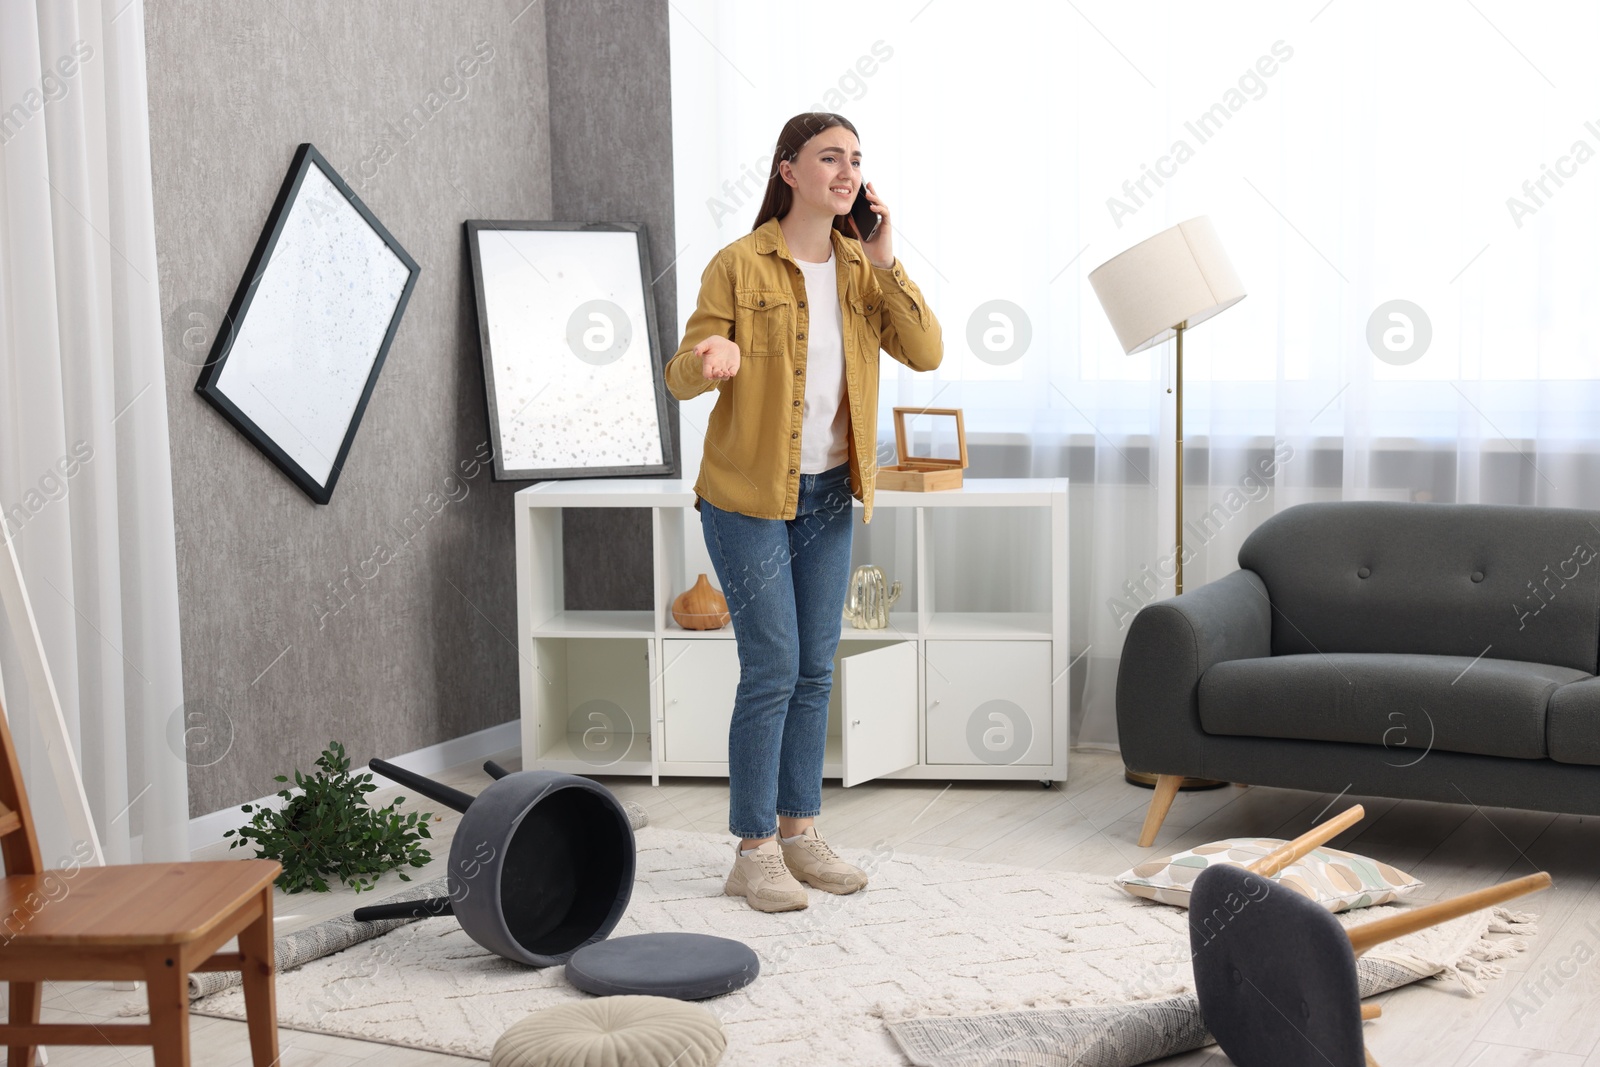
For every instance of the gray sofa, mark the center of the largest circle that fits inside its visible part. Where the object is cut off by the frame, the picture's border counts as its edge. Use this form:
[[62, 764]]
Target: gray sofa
[[1427, 651]]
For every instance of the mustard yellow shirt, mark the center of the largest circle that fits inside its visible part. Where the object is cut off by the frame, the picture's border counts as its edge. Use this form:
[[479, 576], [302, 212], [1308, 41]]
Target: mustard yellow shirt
[[752, 293]]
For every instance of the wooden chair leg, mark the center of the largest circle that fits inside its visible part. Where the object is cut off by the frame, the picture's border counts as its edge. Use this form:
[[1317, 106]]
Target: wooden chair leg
[[1166, 789], [24, 1001], [1292, 851], [168, 991], [260, 989], [1370, 935]]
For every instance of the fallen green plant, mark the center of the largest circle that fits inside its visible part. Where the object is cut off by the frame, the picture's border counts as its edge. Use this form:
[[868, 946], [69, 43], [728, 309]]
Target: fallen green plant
[[326, 829]]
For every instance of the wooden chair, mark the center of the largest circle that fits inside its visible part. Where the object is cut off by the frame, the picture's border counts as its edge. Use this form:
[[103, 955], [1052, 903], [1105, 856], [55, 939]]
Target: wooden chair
[[153, 922], [1275, 972]]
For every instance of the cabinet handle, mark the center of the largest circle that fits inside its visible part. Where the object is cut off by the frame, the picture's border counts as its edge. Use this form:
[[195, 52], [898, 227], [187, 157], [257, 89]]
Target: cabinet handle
[[855, 722], [934, 704]]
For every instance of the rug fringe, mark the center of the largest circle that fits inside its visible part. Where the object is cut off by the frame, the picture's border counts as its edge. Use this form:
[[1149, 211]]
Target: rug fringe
[[1478, 963], [1506, 921], [1498, 950]]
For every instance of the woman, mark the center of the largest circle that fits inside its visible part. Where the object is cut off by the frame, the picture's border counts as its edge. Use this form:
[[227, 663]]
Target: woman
[[788, 327]]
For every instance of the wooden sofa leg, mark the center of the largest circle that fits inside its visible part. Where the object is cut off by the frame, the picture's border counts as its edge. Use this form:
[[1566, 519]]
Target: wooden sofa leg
[[1166, 789]]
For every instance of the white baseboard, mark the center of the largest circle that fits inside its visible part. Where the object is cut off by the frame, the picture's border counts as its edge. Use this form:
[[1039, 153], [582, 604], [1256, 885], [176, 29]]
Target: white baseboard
[[205, 830], [446, 754]]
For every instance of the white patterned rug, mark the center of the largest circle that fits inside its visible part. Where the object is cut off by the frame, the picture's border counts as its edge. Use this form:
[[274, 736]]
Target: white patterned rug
[[927, 937]]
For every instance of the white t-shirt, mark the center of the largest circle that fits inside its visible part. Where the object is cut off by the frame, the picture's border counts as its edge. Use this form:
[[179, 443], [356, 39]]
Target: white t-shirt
[[826, 423]]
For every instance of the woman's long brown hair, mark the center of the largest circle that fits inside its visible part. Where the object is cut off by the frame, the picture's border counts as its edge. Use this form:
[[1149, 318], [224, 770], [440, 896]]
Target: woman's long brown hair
[[796, 132]]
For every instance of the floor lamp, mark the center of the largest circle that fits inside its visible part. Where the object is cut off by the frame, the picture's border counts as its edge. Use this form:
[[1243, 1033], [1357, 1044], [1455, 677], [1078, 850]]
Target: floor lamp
[[1158, 289]]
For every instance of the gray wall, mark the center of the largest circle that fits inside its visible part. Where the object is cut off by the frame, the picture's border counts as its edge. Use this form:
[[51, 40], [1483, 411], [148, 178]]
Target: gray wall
[[611, 158], [285, 643]]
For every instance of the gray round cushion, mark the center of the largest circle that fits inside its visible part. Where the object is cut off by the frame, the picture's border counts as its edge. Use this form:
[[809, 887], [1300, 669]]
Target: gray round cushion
[[613, 1032], [681, 965]]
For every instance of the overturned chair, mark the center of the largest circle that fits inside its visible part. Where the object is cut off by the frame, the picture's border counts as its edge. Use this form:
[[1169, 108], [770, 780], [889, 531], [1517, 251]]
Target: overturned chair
[[1275, 972]]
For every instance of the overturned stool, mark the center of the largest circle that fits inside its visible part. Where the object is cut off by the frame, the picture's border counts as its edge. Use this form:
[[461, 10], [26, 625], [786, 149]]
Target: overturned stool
[[541, 865]]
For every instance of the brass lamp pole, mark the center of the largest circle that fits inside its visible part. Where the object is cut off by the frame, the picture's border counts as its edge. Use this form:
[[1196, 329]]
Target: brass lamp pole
[[1159, 289], [1177, 421]]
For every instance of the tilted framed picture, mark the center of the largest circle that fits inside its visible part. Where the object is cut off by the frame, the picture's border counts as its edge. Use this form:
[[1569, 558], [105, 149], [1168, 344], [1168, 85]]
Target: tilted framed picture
[[296, 359], [572, 365]]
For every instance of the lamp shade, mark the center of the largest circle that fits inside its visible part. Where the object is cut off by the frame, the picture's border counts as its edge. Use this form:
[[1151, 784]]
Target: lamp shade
[[1180, 275]]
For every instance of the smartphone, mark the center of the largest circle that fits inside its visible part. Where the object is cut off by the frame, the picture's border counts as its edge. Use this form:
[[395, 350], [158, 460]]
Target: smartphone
[[866, 219]]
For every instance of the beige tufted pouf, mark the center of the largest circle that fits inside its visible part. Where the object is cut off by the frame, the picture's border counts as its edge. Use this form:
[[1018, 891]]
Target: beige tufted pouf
[[613, 1032]]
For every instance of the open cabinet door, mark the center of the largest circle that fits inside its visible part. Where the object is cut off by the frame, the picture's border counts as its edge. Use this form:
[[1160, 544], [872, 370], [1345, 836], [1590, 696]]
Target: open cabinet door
[[878, 702]]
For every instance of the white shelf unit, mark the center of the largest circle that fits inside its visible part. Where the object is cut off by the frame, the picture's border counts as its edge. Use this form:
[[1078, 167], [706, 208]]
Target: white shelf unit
[[969, 680]]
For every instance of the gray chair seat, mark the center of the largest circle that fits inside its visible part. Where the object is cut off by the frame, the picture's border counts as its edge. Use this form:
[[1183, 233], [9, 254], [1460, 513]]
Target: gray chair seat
[[1403, 702]]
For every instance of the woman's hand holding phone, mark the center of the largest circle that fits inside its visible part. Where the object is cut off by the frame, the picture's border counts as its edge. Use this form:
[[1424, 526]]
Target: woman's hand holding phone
[[879, 249], [719, 357]]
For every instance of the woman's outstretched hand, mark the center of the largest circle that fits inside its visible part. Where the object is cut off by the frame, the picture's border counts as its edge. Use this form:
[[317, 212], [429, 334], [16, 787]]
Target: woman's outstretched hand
[[719, 357]]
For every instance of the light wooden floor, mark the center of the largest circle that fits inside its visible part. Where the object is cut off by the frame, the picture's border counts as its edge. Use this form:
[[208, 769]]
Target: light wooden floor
[[1545, 1011]]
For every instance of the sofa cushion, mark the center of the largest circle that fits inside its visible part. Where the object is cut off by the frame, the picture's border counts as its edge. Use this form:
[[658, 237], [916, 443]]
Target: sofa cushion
[[1435, 579], [1573, 731], [1408, 704]]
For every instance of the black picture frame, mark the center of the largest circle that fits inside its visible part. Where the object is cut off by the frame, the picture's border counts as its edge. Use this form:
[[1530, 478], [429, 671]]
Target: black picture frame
[[220, 388], [507, 464]]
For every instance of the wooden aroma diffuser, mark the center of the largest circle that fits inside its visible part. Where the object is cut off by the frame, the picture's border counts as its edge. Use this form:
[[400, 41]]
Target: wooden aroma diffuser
[[700, 607], [922, 474]]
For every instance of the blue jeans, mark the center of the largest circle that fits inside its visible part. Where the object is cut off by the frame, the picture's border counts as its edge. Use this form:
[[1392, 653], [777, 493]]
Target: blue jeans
[[785, 581]]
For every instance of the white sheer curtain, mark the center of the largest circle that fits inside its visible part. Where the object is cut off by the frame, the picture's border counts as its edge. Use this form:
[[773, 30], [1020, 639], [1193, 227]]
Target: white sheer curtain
[[1349, 153], [85, 476]]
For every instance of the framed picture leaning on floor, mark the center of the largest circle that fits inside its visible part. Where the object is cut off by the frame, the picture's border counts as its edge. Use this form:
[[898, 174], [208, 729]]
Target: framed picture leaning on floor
[[572, 364]]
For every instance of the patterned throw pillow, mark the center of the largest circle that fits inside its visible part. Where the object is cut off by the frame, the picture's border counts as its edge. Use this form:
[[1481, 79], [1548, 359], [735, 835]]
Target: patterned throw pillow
[[1337, 880]]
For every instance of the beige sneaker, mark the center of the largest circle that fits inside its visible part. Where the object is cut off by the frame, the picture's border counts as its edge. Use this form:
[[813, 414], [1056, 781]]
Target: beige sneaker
[[813, 862], [764, 881]]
